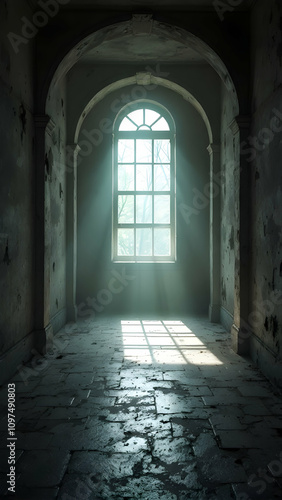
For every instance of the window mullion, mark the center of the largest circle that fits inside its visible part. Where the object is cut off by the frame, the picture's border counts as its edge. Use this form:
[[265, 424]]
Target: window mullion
[[153, 197], [135, 213]]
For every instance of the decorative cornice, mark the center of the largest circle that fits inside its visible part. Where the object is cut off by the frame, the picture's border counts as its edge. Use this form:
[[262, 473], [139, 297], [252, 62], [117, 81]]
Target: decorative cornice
[[44, 122], [50, 127], [142, 24], [75, 148], [213, 148], [143, 78], [239, 123], [41, 121]]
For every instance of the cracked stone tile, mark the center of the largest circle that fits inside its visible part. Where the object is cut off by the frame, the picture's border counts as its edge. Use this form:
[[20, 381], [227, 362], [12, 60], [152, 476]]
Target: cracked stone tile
[[187, 477], [79, 379], [226, 422], [173, 403], [196, 390], [80, 486], [105, 466], [36, 493], [276, 409], [249, 390], [121, 395], [223, 401], [184, 377], [258, 490], [256, 409], [205, 444], [127, 401], [101, 401], [237, 439], [221, 469], [42, 468], [48, 401], [188, 427], [147, 488], [97, 437], [149, 426], [131, 445], [33, 440], [274, 422], [173, 450], [222, 493]]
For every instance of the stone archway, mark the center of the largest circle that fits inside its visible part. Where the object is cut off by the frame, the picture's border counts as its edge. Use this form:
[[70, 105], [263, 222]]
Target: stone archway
[[136, 25]]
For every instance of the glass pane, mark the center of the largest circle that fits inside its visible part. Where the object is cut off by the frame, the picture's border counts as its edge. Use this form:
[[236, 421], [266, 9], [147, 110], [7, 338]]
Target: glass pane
[[126, 177], [144, 127], [161, 125], [137, 117], [125, 241], [125, 209], [144, 242], [144, 209], [126, 126], [162, 177], [162, 209], [151, 116], [162, 242], [144, 151], [162, 151], [144, 177], [126, 151]]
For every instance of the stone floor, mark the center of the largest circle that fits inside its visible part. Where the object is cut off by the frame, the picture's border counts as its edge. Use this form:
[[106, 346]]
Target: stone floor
[[144, 409]]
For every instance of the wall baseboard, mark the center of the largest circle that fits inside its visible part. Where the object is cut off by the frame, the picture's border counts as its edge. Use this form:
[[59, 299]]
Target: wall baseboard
[[59, 320], [226, 319], [22, 351], [266, 361], [14, 357]]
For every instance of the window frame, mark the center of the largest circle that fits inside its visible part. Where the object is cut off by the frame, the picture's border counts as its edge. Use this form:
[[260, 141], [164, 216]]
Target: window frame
[[153, 135]]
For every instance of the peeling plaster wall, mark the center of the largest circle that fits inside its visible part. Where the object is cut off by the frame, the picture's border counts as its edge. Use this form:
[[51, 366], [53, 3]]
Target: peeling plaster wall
[[55, 185], [17, 185], [228, 227], [265, 162]]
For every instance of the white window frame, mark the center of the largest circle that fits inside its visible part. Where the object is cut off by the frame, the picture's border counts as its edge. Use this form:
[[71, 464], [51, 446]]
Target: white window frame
[[153, 135]]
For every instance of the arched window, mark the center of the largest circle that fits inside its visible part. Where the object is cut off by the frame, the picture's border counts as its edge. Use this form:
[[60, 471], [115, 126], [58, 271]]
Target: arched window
[[144, 184]]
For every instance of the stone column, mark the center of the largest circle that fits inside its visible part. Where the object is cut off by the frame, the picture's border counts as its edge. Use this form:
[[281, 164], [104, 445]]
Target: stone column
[[239, 333], [43, 329], [214, 308], [71, 161]]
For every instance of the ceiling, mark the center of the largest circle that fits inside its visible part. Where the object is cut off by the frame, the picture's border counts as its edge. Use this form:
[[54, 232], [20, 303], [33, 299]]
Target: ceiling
[[147, 4], [130, 48]]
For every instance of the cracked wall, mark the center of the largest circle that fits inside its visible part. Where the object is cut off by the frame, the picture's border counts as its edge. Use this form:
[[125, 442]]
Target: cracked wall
[[228, 223], [265, 163], [55, 186], [17, 185]]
